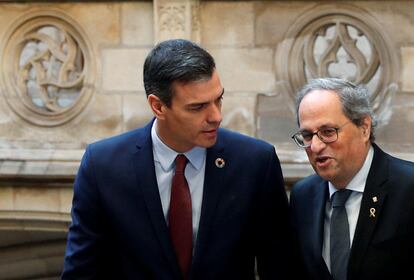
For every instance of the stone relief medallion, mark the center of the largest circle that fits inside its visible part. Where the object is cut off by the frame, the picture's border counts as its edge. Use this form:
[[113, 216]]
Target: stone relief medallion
[[47, 76], [343, 42]]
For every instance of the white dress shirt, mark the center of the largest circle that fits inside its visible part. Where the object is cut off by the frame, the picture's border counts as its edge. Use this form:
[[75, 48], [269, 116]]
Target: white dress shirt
[[352, 206], [164, 158]]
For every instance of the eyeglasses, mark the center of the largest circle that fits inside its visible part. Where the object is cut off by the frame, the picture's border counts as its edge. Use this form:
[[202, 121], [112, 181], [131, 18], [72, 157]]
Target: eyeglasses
[[326, 134]]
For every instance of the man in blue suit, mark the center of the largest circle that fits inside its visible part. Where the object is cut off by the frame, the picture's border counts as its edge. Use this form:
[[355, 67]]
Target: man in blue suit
[[368, 233], [234, 194]]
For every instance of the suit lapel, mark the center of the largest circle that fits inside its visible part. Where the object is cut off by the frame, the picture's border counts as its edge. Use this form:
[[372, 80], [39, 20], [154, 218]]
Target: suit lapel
[[214, 181], [370, 211], [147, 181], [318, 216]]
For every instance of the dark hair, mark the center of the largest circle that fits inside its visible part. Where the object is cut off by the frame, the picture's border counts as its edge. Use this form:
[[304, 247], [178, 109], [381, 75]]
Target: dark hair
[[172, 61], [354, 99]]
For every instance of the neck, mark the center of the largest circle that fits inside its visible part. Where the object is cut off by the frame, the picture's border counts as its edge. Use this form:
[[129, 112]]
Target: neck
[[165, 136]]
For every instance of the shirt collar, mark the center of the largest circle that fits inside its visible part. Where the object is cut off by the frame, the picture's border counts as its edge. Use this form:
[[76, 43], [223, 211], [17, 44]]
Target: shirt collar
[[166, 156], [357, 183]]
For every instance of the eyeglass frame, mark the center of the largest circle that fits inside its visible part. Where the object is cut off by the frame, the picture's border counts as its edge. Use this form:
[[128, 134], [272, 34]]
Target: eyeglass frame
[[337, 129]]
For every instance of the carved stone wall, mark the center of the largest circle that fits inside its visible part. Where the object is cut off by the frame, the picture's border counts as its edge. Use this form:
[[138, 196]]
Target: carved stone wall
[[71, 73]]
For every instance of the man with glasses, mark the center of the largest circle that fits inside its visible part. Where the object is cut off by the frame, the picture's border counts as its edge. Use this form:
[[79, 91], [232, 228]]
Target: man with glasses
[[355, 218], [180, 198]]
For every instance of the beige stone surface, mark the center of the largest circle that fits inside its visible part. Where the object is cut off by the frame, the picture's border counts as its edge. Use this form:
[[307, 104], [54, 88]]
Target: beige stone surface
[[103, 117], [239, 112], [99, 20], [245, 69], [10, 12], [394, 17], [397, 135], [12, 167], [22, 154], [136, 111], [407, 59], [57, 169], [274, 18], [65, 198], [36, 199], [10, 123], [4, 112], [227, 24], [122, 69], [6, 198], [137, 24]]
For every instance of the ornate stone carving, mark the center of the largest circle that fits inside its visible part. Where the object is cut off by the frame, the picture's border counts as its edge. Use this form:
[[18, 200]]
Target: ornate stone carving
[[332, 41], [176, 19], [48, 67], [172, 18]]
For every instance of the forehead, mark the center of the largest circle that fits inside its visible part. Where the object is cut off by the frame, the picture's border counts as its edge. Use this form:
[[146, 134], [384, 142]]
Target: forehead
[[320, 107], [198, 91]]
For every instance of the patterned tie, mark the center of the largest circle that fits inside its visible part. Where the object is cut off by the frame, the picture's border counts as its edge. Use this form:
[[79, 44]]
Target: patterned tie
[[180, 217], [340, 244]]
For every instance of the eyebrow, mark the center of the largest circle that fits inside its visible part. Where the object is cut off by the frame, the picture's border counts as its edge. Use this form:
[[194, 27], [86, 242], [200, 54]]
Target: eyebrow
[[320, 127], [202, 103]]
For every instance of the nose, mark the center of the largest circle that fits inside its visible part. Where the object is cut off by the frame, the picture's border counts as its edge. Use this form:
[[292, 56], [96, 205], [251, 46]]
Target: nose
[[214, 113], [317, 145]]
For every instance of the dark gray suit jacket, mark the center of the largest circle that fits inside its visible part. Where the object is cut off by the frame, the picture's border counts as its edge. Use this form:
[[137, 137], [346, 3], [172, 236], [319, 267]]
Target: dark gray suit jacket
[[119, 230], [383, 246]]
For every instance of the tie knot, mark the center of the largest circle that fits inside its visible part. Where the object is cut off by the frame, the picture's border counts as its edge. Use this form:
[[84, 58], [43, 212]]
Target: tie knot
[[180, 163], [339, 198]]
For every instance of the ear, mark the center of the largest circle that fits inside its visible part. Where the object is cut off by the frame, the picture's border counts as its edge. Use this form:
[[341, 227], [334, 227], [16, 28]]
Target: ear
[[366, 127], [156, 105]]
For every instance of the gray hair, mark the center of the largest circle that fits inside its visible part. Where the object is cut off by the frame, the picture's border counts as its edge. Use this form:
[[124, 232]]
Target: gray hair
[[354, 99]]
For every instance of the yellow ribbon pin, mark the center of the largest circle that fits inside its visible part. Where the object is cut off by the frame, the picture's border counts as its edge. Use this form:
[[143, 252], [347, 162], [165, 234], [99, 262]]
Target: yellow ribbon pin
[[372, 212]]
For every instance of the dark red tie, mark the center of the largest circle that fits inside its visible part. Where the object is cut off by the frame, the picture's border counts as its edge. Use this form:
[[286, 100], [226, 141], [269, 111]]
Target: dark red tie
[[180, 217]]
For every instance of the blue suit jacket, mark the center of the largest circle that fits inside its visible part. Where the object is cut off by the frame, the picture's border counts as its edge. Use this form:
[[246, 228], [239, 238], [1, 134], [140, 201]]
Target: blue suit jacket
[[118, 229], [383, 246]]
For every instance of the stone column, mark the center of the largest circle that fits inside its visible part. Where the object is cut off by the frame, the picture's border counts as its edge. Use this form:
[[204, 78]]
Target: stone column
[[176, 19]]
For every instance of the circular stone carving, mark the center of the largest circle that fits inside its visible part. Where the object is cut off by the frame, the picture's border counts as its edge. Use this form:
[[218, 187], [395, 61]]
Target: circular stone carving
[[48, 72], [337, 41]]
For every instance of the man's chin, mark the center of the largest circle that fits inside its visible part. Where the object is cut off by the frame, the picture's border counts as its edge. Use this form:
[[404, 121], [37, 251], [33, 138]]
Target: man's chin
[[208, 143], [323, 173]]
